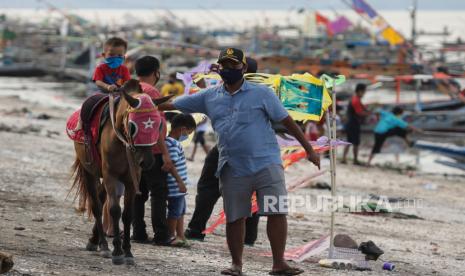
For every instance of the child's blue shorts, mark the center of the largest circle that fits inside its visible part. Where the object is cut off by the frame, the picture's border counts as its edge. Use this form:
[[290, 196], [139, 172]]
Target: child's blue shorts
[[176, 207]]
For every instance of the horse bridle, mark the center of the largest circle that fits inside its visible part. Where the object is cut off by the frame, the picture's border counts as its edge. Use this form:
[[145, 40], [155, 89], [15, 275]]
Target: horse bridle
[[126, 139]]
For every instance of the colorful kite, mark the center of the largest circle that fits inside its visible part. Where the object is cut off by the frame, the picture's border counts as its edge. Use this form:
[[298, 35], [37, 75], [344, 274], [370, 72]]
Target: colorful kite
[[385, 29], [303, 95]]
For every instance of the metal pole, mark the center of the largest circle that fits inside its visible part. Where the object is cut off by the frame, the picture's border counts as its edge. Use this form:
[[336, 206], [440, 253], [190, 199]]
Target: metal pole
[[417, 91], [332, 156], [413, 16]]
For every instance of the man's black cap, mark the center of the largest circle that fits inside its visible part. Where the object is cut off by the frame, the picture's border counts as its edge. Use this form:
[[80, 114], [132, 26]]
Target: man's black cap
[[232, 54]]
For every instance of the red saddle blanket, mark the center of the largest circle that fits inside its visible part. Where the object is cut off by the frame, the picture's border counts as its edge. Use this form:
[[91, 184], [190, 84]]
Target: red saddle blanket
[[78, 136]]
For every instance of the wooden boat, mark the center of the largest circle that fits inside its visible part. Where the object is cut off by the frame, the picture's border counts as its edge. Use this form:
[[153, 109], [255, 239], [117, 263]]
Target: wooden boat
[[449, 121], [451, 151]]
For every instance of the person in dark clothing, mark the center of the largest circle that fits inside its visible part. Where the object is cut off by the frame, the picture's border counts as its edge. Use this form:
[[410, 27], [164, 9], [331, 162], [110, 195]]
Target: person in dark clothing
[[208, 193], [356, 112], [153, 180]]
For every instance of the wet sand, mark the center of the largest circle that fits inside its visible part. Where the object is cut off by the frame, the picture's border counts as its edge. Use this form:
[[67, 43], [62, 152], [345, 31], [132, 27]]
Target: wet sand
[[40, 227]]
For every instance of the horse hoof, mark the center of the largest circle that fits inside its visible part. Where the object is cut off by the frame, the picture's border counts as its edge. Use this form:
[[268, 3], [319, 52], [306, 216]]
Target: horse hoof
[[130, 261], [105, 254], [117, 260], [91, 247]]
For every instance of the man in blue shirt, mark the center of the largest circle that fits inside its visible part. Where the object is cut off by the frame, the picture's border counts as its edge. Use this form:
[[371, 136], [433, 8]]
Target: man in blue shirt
[[249, 156], [208, 192], [390, 124]]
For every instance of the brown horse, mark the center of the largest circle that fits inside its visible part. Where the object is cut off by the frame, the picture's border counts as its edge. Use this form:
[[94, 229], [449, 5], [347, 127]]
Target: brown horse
[[119, 155]]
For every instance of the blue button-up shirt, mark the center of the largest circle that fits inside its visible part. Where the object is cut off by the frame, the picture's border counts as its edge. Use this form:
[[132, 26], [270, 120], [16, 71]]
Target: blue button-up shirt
[[246, 140]]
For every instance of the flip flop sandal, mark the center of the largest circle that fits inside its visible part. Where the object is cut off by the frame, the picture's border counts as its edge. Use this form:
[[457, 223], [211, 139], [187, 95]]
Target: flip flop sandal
[[168, 242], [231, 271], [181, 243], [287, 272]]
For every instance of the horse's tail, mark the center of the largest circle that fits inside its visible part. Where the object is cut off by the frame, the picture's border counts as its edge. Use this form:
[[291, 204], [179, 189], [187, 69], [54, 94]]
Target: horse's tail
[[80, 188]]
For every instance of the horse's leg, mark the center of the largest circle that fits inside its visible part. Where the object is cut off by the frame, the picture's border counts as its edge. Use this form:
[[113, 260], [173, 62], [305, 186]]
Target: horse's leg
[[103, 244], [98, 237], [115, 212], [129, 197], [92, 244]]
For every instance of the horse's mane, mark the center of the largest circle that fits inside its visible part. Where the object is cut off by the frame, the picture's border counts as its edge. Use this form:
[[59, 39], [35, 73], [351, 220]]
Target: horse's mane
[[132, 86]]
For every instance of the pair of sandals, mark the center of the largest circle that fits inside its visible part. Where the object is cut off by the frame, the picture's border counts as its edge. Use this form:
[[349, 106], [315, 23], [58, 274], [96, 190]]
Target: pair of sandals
[[237, 271]]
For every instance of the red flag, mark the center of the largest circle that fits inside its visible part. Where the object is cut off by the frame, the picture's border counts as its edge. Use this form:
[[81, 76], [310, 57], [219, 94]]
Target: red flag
[[320, 19]]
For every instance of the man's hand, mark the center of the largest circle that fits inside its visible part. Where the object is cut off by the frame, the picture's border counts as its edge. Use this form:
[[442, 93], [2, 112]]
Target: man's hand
[[167, 164], [314, 158]]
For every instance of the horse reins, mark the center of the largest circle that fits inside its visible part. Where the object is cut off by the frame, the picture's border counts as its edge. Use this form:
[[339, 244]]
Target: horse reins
[[130, 148]]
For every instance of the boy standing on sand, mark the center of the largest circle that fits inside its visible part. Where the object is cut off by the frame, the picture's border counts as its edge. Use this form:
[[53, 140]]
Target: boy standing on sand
[[154, 179], [182, 125]]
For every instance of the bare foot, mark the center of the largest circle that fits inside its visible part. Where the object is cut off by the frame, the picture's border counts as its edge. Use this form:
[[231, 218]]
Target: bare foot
[[234, 270]]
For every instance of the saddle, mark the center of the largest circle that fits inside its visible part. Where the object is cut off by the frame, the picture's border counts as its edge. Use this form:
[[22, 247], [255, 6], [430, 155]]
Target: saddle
[[94, 113]]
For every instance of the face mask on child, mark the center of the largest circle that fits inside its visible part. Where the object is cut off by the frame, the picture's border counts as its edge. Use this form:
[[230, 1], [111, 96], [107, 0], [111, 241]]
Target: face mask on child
[[183, 138], [114, 62]]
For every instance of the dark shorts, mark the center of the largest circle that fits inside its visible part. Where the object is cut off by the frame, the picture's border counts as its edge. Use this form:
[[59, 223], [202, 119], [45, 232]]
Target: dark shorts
[[176, 207], [199, 138], [380, 138], [353, 133]]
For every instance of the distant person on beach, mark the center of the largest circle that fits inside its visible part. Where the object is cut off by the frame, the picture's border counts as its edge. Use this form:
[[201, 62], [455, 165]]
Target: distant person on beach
[[173, 87], [461, 95], [111, 73], [249, 156], [390, 124], [181, 126], [356, 113], [208, 192], [199, 138], [201, 129]]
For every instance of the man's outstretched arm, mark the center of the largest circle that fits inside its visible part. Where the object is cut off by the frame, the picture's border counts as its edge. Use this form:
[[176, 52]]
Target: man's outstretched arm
[[295, 131], [187, 104], [166, 107]]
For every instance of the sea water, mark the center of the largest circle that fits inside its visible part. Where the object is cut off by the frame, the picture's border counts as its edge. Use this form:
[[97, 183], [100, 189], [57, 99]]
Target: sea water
[[427, 20]]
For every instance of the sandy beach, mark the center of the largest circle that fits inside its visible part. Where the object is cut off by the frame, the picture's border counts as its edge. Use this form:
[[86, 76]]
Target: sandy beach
[[41, 229]]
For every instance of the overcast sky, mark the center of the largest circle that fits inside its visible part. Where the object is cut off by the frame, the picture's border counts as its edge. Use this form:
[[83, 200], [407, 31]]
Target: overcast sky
[[234, 4]]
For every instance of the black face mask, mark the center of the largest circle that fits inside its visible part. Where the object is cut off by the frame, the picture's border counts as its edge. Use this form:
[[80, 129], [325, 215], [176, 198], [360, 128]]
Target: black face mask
[[231, 76], [157, 76]]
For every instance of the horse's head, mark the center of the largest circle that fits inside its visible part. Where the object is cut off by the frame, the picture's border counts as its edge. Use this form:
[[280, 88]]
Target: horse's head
[[143, 124]]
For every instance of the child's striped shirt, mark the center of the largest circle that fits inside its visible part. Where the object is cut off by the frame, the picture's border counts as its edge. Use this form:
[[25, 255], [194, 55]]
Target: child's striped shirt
[[179, 161]]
